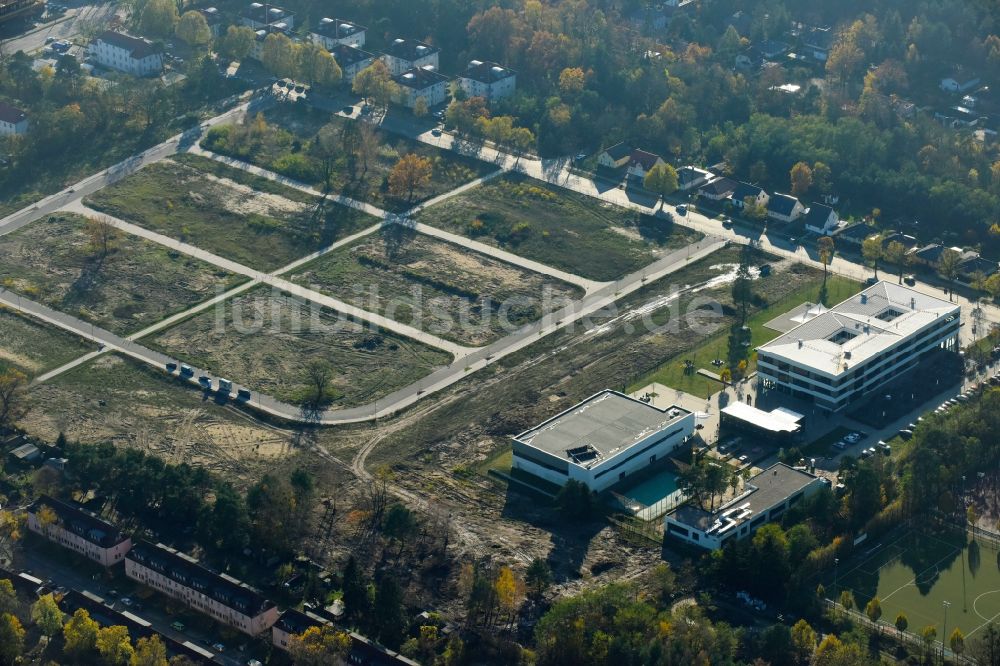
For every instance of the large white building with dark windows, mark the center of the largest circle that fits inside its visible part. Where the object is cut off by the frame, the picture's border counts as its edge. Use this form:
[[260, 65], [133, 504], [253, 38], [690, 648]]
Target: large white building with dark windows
[[602, 440], [128, 54], [836, 356]]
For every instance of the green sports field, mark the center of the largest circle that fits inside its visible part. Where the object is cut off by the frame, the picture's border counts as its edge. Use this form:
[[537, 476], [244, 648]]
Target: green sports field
[[915, 573]]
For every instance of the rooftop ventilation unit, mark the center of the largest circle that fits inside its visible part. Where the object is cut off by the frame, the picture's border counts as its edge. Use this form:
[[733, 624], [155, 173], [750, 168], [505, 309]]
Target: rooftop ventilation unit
[[326, 21], [475, 63], [800, 343], [864, 299]]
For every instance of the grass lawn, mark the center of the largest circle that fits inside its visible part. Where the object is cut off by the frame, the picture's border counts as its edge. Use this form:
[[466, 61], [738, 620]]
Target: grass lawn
[[557, 227], [35, 348], [138, 283], [447, 290], [264, 229], [672, 372], [284, 145], [268, 341], [116, 399]]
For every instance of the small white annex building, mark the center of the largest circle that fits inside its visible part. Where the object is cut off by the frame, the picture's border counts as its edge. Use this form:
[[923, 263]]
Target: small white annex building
[[765, 498], [602, 440]]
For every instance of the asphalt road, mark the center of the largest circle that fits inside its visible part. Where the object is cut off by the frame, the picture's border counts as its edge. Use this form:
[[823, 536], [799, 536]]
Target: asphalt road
[[67, 26]]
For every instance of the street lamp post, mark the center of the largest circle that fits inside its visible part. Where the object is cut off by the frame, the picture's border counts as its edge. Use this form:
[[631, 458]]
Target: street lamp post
[[944, 633], [836, 570]]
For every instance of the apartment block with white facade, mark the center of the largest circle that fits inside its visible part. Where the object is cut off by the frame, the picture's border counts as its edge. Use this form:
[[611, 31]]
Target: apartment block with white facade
[[351, 60], [132, 55], [79, 530], [837, 356], [333, 31], [13, 121], [261, 15], [405, 54], [602, 440], [488, 80], [219, 596], [421, 82]]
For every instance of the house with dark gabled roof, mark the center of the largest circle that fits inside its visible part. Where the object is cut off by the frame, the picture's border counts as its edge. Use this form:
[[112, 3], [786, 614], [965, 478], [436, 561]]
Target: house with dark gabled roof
[[718, 189], [132, 55], [641, 162], [12, 120], [690, 177], [616, 156], [974, 266], [821, 219], [744, 191], [854, 234], [784, 208]]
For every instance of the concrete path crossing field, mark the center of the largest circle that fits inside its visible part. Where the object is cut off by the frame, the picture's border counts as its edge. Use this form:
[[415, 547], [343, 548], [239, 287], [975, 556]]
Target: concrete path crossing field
[[273, 280]]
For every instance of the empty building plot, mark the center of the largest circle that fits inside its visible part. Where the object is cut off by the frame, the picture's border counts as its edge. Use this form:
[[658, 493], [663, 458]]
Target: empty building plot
[[447, 290]]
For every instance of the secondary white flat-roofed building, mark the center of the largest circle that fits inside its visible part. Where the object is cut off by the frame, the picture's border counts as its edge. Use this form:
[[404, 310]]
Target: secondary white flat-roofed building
[[72, 527], [843, 353], [602, 440], [219, 596], [128, 54], [765, 498], [406, 54], [421, 82], [488, 80], [333, 31]]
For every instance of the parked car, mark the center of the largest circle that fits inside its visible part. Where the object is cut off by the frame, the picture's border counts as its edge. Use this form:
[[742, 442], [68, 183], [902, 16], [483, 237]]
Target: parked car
[[909, 280], [853, 437], [905, 434], [682, 210], [177, 626], [435, 132]]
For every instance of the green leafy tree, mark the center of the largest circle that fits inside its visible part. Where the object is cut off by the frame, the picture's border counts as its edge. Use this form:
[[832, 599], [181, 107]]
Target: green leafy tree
[[8, 597], [80, 634], [388, 612], [11, 639], [149, 652], [319, 646], [661, 179], [278, 55], [114, 645], [871, 250], [801, 177], [356, 600], [826, 249], [803, 641], [901, 623], [575, 501], [957, 641], [411, 173], [948, 267], [46, 614], [237, 42], [895, 253], [420, 109], [375, 84], [316, 66], [538, 577], [193, 29], [159, 18]]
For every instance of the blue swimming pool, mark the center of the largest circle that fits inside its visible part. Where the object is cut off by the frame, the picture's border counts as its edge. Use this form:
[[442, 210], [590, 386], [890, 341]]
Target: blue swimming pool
[[652, 489]]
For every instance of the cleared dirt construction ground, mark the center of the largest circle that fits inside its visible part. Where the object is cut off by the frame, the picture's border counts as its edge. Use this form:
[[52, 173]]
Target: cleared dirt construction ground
[[460, 295], [268, 342], [116, 399], [135, 284], [285, 145], [35, 348], [557, 227], [257, 228]]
